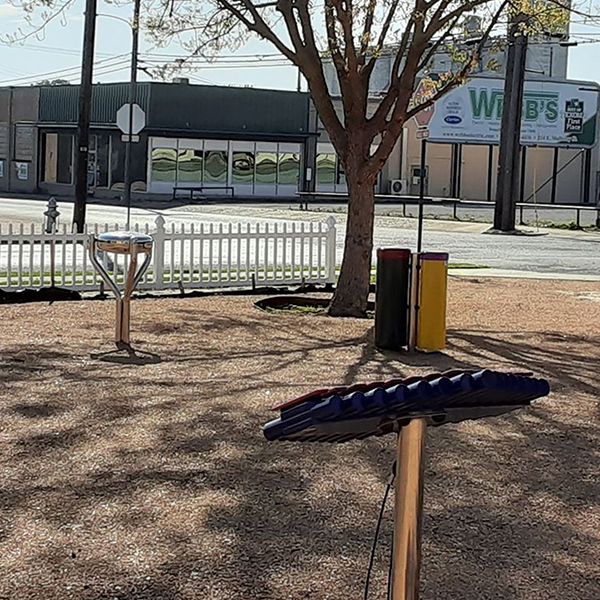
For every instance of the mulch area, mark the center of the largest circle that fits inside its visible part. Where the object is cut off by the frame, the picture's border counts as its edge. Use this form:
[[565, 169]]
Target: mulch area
[[153, 481]]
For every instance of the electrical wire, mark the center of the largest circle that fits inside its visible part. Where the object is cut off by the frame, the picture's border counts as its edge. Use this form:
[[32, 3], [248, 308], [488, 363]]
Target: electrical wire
[[386, 493], [390, 571], [60, 73]]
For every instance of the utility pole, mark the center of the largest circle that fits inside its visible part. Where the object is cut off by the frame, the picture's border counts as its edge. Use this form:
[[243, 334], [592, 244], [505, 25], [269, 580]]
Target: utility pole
[[507, 189], [83, 124], [135, 30]]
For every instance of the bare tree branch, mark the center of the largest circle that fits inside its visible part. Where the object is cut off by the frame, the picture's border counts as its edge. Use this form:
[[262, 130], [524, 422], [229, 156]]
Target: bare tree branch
[[344, 17], [285, 7], [365, 38], [436, 45], [59, 12], [332, 39], [368, 68], [438, 21], [409, 36], [387, 24], [459, 78], [302, 7], [392, 127], [258, 25], [311, 64]]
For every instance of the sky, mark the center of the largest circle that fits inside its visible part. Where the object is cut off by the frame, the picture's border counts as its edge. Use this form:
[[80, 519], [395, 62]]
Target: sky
[[55, 53]]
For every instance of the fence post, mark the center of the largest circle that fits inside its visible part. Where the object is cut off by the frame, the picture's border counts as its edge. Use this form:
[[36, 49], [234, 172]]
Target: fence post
[[330, 250], [159, 252]]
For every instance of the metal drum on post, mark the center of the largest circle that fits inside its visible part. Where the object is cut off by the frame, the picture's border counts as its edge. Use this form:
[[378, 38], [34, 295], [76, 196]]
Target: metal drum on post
[[391, 298], [433, 290], [130, 244]]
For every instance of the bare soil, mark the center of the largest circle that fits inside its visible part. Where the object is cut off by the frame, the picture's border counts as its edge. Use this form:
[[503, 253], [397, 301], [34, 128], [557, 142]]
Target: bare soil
[[153, 481]]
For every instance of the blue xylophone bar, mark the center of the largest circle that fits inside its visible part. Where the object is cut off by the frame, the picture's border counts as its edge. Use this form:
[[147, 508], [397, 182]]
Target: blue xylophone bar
[[360, 411]]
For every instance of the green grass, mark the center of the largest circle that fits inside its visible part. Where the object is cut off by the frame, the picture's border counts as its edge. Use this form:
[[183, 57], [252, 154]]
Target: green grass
[[80, 277], [467, 266], [294, 308], [309, 311], [450, 266], [569, 226]]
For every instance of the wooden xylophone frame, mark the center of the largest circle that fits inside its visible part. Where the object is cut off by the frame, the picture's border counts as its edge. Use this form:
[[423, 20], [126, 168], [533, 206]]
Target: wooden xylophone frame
[[407, 407], [408, 510]]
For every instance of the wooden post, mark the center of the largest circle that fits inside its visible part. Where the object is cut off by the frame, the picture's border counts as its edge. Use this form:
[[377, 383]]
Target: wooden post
[[408, 510]]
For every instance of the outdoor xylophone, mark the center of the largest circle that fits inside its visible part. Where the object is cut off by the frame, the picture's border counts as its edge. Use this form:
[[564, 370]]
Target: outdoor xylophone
[[407, 407]]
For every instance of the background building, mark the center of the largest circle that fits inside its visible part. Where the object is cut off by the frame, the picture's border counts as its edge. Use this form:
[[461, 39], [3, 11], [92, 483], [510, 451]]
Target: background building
[[468, 171], [256, 141], [263, 143]]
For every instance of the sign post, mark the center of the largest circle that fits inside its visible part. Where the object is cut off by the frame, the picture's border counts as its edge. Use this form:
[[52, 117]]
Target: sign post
[[422, 119], [131, 119]]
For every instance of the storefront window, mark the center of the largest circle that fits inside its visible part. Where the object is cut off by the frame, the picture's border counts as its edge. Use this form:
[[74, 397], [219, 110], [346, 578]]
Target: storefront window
[[215, 166], [117, 163], [50, 157], [266, 168], [341, 174], [289, 169], [326, 169], [58, 158], [65, 158], [102, 154], [164, 164], [189, 166], [242, 169]]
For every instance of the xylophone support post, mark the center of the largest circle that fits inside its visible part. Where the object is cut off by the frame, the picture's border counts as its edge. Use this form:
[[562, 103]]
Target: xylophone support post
[[408, 510]]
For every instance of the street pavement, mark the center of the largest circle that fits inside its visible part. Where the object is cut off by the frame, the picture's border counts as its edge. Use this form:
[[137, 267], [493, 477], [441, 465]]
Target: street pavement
[[544, 251]]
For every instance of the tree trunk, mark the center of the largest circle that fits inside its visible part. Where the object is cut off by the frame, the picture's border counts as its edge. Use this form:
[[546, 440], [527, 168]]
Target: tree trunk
[[352, 290]]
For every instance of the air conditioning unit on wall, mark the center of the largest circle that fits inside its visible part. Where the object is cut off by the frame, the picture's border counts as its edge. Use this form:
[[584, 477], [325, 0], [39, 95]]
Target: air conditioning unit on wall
[[398, 187]]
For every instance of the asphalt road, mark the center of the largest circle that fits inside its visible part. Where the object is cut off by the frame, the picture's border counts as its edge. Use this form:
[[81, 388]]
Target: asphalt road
[[572, 253]]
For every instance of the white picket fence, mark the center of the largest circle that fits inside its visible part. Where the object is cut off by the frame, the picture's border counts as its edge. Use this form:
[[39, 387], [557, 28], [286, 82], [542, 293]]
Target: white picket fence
[[192, 257]]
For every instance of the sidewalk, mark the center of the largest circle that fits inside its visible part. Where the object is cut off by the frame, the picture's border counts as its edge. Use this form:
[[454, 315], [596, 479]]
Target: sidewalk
[[29, 210], [515, 274], [547, 253]]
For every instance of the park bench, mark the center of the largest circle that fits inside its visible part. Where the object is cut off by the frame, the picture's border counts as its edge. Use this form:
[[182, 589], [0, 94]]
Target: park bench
[[200, 189]]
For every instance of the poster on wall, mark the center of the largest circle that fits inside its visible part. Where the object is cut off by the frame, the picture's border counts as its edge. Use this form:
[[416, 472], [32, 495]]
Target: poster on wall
[[22, 171], [554, 114], [24, 136]]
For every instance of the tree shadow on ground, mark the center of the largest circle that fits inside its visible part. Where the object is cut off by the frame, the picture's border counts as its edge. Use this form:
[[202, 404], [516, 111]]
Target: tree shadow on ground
[[155, 482], [567, 360]]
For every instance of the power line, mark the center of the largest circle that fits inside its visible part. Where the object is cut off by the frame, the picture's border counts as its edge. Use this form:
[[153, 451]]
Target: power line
[[108, 70], [257, 55], [59, 73], [46, 49]]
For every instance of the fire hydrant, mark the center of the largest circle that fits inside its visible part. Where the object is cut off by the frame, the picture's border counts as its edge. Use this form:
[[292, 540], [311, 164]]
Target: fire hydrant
[[51, 215]]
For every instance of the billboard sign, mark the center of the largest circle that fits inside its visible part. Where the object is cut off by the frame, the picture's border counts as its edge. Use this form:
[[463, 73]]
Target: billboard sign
[[554, 114]]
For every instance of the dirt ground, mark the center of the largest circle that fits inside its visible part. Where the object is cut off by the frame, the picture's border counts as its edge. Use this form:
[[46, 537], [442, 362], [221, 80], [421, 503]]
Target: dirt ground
[[155, 482]]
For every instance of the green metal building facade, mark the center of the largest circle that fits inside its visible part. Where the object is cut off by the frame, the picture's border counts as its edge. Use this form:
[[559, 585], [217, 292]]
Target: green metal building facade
[[260, 142]]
